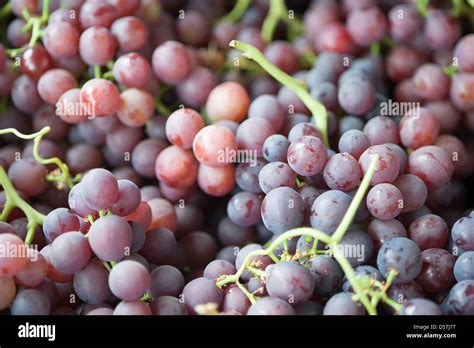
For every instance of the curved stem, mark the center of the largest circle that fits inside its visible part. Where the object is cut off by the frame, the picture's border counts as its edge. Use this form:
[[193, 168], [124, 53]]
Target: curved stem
[[34, 217], [317, 109], [237, 12]]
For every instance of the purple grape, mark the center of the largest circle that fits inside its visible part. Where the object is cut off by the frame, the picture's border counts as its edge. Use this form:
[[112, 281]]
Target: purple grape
[[275, 148], [402, 255], [59, 221], [420, 306], [271, 306], [235, 300], [342, 172], [464, 267], [243, 209], [342, 304], [437, 270], [30, 302], [129, 280], [381, 231], [307, 156], [218, 268], [230, 234], [385, 201], [168, 305], [282, 210], [328, 275], [91, 283], [201, 291], [70, 252], [166, 281], [328, 210], [276, 174]]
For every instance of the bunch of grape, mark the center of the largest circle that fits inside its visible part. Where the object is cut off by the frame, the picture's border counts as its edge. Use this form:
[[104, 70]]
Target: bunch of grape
[[194, 160]]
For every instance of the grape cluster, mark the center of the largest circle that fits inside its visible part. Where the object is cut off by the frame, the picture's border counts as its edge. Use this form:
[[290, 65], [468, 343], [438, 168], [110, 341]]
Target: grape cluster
[[149, 168]]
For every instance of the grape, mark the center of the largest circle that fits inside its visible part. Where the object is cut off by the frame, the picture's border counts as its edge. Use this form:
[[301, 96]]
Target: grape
[[100, 97], [243, 209], [7, 292], [459, 300], [183, 170], [108, 193], [251, 135], [429, 231], [97, 46], [420, 306], [328, 275], [136, 108], [291, 103], [160, 246], [35, 61], [61, 39], [357, 96], [381, 130], [267, 107], [364, 272], [227, 101], [223, 33], [82, 158], [326, 93], [271, 306], [453, 147], [385, 201], [275, 148], [432, 165], [413, 190], [132, 308], [441, 30], [201, 291], [215, 146], [235, 300], [166, 281], [357, 247], [91, 283], [122, 140], [24, 94], [70, 252], [132, 70], [168, 305], [230, 234], [194, 28], [182, 127], [247, 175], [463, 268], [199, 248], [328, 210], [146, 149], [96, 14], [162, 214], [216, 182], [131, 33], [171, 54], [354, 142], [128, 198], [302, 129], [30, 302], [282, 210], [431, 83], [366, 26], [462, 51], [110, 238], [342, 172], [283, 56], [101, 311], [34, 272], [129, 280], [70, 108], [388, 165], [402, 255], [437, 271], [463, 233], [195, 89], [290, 282], [342, 304], [307, 156], [381, 231], [218, 268], [54, 83], [276, 174], [461, 91], [402, 61], [405, 21], [28, 176], [335, 38]]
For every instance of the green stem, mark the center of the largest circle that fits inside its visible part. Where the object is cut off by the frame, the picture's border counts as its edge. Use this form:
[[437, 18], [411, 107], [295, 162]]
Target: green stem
[[34, 217], [422, 7], [6, 10], [277, 7], [317, 109], [237, 12], [106, 265], [97, 72], [37, 137], [354, 206], [375, 49]]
